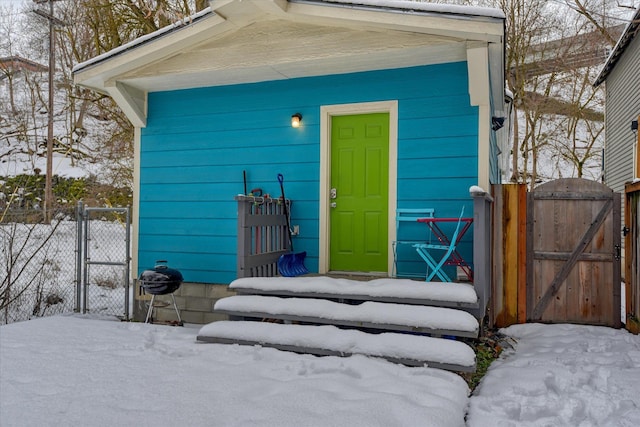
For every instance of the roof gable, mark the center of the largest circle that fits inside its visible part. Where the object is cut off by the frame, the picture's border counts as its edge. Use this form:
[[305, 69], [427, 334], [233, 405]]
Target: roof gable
[[242, 41]]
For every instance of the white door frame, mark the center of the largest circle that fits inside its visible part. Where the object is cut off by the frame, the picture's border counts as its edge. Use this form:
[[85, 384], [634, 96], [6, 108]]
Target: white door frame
[[326, 112]]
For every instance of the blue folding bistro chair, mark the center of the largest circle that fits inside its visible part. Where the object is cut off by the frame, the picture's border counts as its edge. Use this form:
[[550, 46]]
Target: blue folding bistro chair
[[408, 218], [435, 267]]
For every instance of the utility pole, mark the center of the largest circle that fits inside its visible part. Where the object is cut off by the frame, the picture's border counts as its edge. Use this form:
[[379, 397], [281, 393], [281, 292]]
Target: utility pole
[[48, 191]]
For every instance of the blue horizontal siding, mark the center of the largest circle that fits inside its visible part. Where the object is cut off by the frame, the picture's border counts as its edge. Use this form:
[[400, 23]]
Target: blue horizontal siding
[[444, 81], [198, 142], [229, 156]]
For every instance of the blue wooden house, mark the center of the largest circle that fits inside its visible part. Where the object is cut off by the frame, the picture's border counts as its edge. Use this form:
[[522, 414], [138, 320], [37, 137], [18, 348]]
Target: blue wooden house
[[400, 105]]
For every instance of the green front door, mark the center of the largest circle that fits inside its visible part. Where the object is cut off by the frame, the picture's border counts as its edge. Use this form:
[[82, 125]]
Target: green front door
[[358, 237]]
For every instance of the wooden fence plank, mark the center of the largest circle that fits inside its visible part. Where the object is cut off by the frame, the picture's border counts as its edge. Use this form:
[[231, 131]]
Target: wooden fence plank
[[511, 256], [617, 243], [509, 287], [529, 244], [495, 318], [632, 256], [522, 254]]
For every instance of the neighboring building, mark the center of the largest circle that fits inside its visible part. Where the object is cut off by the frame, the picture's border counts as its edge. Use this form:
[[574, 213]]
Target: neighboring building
[[18, 150], [622, 76], [10, 85], [10, 65], [213, 97], [622, 152]]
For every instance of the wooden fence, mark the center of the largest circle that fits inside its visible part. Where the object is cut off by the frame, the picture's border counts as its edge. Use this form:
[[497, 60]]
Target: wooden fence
[[632, 255], [508, 305], [556, 254]]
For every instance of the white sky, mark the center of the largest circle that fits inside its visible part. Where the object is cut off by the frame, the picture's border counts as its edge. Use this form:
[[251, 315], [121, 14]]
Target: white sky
[[14, 3]]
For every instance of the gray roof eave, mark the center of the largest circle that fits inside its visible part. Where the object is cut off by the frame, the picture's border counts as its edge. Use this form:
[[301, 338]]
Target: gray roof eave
[[625, 40], [401, 6], [147, 38]]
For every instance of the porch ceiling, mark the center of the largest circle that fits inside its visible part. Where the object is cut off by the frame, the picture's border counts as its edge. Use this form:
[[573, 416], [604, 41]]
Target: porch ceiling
[[279, 49]]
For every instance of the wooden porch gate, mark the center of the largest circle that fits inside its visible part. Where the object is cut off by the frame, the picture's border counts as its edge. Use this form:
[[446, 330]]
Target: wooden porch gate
[[573, 253]]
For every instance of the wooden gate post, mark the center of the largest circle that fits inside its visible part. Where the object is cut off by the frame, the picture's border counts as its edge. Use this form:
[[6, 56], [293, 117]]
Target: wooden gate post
[[508, 297], [632, 256], [482, 254]]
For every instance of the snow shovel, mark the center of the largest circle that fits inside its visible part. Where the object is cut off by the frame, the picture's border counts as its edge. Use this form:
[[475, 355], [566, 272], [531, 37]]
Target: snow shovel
[[291, 264]]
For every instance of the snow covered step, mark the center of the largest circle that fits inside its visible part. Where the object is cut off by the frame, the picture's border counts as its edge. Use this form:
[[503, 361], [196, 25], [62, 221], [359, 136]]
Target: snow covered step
[[326, 340], [369, 314], [403, 291]]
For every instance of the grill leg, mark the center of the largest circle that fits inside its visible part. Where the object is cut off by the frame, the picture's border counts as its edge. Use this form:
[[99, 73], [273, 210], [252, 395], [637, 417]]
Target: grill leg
[[176, 308], [150, 309]]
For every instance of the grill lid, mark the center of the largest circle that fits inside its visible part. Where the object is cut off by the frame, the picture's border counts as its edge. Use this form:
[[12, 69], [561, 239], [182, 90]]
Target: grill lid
[[161, 279]]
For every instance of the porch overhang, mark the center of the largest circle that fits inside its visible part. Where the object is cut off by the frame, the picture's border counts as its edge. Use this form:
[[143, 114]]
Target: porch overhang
[[247, 41]]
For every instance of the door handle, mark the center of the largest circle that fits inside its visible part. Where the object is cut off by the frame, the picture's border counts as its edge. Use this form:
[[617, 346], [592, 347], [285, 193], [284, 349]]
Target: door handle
[[333, 204]]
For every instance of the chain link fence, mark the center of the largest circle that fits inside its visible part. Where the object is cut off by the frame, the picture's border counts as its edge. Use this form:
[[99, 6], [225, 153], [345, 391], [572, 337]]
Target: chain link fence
[[38, 267], [78, 262]]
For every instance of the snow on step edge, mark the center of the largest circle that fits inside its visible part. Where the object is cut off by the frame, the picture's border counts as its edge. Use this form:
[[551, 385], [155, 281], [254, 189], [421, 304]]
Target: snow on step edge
[[388, 344], [388, 288], [369, 311]]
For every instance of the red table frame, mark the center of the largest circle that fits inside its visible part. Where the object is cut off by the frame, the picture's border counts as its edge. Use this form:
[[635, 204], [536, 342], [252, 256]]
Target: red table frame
[[455, 258]]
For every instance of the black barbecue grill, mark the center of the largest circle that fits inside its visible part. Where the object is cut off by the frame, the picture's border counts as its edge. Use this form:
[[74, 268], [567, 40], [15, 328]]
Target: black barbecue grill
[[161, 280]]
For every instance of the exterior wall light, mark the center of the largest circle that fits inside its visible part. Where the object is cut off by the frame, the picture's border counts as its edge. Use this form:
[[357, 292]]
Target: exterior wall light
[[296, 119]]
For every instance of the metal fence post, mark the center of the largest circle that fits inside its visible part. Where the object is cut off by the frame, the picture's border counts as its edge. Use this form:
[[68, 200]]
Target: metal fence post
[[127, 277], [79, 252], [85, 269]]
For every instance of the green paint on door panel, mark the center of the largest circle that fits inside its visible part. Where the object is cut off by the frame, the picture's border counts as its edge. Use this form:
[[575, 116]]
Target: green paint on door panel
[[358, 238]]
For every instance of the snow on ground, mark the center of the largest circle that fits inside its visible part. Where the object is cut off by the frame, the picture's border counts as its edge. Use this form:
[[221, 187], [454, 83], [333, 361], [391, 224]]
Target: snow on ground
[[562, 375], [70, 370], [73, 371]]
